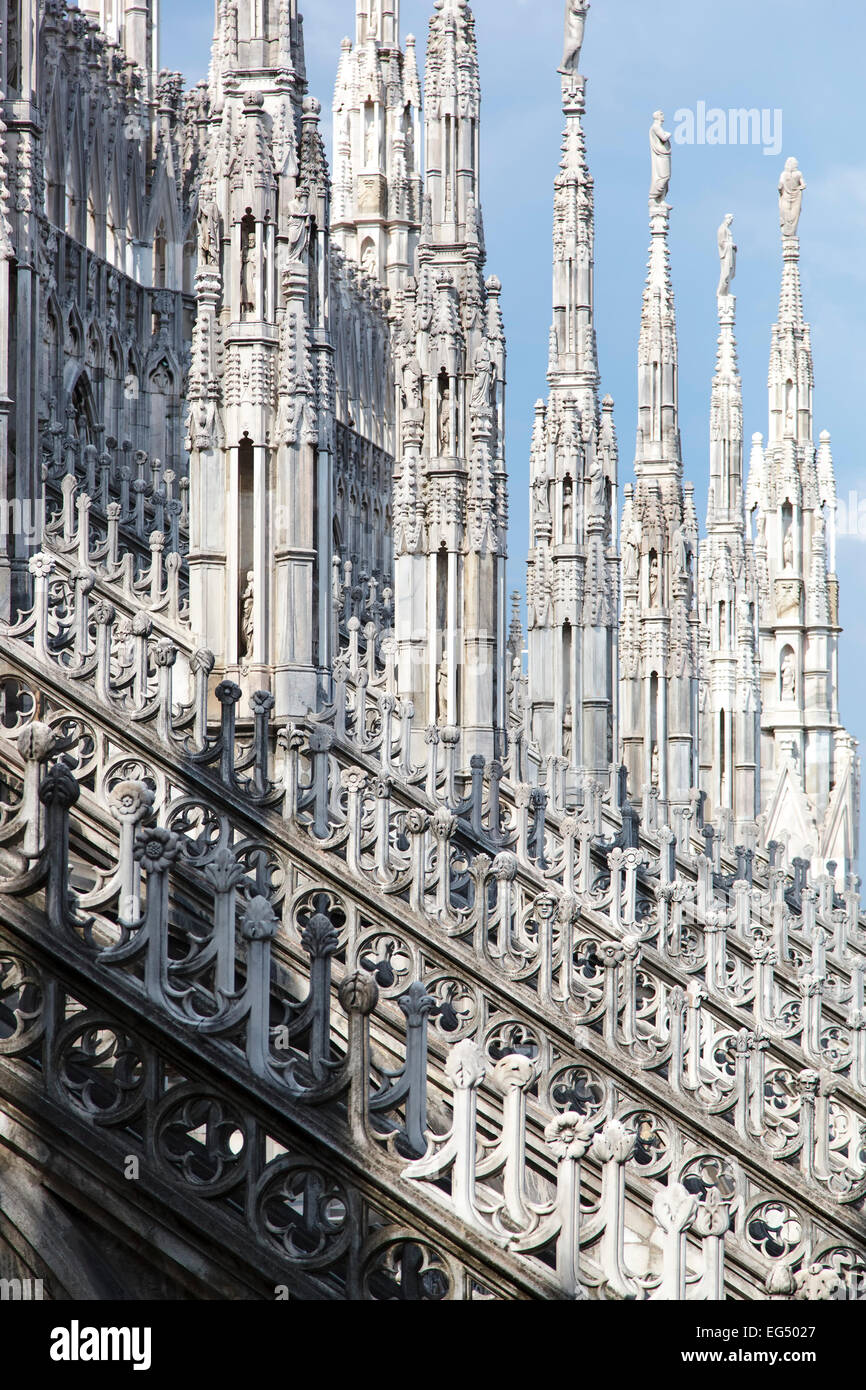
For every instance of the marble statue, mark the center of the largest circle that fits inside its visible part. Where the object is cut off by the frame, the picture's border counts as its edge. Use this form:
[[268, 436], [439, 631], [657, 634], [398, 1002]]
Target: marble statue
[[630, 560], [299, 228], [275, 798], [597, 490], [654, 581], [442, 691], [791, 188], [575, 24], [660, 149], [681, 554], [247, 610], [445, 421], [412, 384], [727, 256], [248, 293], [208, 232], [567, 510], [483, 379], [542, 499]]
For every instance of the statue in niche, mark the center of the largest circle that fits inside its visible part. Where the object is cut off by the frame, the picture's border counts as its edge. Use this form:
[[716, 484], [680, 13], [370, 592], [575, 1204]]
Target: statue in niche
[[369, 261], [247, 614], [788, 551], [542, 502], [630, 559], [160, 382], [299, 226], [444, 419], [567, 511], [575, 24], [791, 188], [727, 256], [442, 691], [660, 150], [483, 380], [412, 385], [681, 554], [654, 766], [370, 147], [567, 733], [208, 232], [248, 247], [654, 580], [597, 488], [789, 676]]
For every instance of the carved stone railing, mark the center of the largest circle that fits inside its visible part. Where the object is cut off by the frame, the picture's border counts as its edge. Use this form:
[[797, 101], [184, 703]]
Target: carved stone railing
[[122, 486], [567, 950], [150, 576], [210, 1000]]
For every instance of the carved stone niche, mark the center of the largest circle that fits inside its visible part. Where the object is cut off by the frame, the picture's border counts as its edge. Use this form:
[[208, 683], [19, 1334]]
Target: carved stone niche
[[372, 195], [787, 596]]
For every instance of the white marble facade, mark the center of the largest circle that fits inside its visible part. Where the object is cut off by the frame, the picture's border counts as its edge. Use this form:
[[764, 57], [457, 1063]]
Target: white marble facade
[[312, 371], [256, 397]]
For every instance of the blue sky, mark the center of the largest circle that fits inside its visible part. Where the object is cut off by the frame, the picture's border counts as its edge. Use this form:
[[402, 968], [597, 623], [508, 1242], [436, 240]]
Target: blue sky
[[638, 56]]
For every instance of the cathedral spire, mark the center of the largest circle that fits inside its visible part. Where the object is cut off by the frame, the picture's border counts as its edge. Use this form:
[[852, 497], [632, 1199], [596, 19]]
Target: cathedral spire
[[726, 406], [450, 480], [809, 771], [729, 688], [256, 45], [659, 545], [379, 21], [658, 442], [572, 567], [573, 362], [452, 105], [261, 390], [791, 376], [377, 140], [134, 26]]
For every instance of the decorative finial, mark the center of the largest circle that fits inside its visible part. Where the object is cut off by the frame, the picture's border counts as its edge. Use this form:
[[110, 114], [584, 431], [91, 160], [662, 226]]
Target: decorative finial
[[660, 149], [791, 188], [575, 23], [727, 256]]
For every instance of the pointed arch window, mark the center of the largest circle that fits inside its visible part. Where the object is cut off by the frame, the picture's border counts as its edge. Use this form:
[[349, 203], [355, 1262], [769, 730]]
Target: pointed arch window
[[83, 407], [656, 400], [246, 550], [160, 256]]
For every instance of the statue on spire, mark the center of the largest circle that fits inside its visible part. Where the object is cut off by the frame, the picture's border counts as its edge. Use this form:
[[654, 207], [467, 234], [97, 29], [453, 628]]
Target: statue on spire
[[660, 149], [575, 23], [727, 256], [791, 187]]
